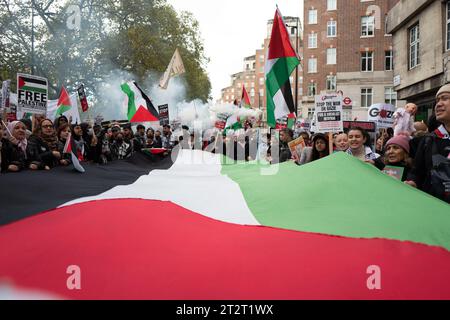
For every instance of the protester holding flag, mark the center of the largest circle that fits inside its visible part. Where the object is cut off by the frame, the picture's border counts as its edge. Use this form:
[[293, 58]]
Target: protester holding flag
[[359, 141], [80, 144], [44, 145], [16, 152], [63, 134]]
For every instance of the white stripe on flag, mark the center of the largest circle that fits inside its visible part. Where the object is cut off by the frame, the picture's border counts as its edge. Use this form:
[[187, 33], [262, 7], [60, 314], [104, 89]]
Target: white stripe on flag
[[282, 108]]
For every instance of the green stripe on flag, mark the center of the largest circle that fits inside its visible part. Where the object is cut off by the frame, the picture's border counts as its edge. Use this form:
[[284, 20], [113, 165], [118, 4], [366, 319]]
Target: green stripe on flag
[[275, 79], [62, 109], [351, 199], [33, 89], [131, 100]]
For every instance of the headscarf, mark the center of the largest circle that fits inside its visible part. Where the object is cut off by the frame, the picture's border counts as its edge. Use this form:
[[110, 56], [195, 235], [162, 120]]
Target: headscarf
[[22, 144], [51, 140]]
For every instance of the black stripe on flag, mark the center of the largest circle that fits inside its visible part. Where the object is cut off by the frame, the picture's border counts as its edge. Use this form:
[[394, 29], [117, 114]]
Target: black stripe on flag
[[287, 94], [36, 81], [31, 193], [151, 108]]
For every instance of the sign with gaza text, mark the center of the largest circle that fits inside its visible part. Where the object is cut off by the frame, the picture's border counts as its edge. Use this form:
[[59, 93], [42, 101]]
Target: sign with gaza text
[[32, 94], [329, 113], [382, 115], [164, 114]]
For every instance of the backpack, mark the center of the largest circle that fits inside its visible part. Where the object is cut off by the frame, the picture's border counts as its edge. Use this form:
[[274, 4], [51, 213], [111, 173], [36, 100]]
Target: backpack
[[440, 174]]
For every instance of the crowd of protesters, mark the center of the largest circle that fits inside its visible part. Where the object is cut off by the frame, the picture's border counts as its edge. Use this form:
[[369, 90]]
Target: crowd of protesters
[[422, 150]]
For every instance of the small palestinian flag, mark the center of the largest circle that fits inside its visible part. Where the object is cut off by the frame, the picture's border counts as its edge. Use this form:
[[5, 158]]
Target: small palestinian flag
[[64, 103], [70, 148], [140, 108], [245, 100], [32, 84]]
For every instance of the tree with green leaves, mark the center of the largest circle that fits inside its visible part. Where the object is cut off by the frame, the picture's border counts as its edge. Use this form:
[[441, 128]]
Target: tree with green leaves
[[136, 36]]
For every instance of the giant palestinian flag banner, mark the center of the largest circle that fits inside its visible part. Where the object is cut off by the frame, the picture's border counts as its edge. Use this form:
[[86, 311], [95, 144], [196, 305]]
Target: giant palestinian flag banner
[[162, 231], [32, 94], [280, 63], [140, 107]]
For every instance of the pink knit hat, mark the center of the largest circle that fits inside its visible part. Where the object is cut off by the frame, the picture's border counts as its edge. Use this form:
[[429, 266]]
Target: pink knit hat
[[401, 141]]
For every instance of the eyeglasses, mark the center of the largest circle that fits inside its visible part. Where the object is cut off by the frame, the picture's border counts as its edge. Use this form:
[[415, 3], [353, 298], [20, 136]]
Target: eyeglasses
[[47, 126]]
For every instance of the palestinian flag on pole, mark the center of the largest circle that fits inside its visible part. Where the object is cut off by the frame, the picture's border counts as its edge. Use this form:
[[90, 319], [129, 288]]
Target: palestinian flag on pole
[[33, 85], [280, 63], [64, 103], [140, 107], [329, 245], [245, 100], [70, 148]]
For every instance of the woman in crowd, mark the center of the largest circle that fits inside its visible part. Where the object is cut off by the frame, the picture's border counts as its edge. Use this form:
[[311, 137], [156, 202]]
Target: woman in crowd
[[320, 149], [379, 148], [62, 120], [397, 154], [341, 142], [16, 153], [63, 135], [80, 144], [359, 141], [45, 147]]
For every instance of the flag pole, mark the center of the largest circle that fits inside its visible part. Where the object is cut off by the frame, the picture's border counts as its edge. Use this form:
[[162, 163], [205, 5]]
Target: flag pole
[[6, 127]]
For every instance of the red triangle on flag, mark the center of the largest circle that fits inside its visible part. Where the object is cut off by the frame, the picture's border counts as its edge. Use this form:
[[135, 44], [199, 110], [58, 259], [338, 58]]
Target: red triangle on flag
[[21, 82], [143, 115], [280, 43], [68, 145], [64, 99], [245, 101]]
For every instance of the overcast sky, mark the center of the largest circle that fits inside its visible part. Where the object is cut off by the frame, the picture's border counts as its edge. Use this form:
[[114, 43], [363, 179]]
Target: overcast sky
[[232, 30]]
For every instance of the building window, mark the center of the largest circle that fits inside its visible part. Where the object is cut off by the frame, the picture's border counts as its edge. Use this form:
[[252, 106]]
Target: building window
[[312, 65], [261, 92], [368, 26], [312, 89], [331, 83], [261, 81], [312, 17], [389, 60], [366, 97], [331, 5], [367, 61], [312, 41], [448, 25], [414, 46], [390, 96], [311, 112], [331, 56], [331, 29]]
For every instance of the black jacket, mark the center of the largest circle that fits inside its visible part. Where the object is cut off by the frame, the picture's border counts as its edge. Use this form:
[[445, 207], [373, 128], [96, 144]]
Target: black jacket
[[41, 152], [423, 164], [13, 155]]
